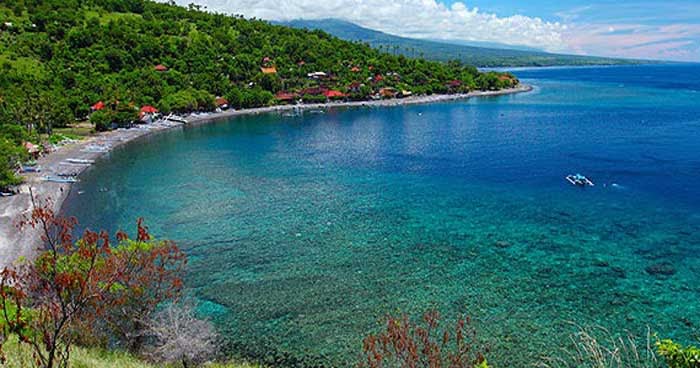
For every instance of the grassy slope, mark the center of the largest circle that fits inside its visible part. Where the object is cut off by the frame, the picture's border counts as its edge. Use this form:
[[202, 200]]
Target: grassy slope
[[20, 357]]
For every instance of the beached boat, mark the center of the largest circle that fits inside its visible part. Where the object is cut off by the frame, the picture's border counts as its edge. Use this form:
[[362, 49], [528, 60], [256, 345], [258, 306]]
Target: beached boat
[[579, 180], [30, 169], [95, 149], [58, 179], [80, 161], [175, 118]]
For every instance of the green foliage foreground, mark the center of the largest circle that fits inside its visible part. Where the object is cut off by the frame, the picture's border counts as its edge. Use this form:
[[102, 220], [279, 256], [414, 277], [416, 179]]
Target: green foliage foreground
[[677, 355]]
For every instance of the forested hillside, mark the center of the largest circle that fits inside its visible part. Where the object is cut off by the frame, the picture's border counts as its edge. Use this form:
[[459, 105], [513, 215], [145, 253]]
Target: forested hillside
[[59, 58], [443, 51]]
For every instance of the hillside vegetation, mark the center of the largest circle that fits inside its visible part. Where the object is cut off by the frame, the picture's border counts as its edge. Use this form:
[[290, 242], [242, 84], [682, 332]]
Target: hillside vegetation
[[60, 57]]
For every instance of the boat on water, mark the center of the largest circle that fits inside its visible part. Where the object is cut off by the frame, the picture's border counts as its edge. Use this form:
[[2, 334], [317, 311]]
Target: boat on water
[[579, 180], [58, 179]]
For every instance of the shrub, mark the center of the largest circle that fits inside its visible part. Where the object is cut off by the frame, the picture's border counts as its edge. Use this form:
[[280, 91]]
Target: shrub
[[70, 288], [408, 345], [677, 356], [10, 155], [180, 337]]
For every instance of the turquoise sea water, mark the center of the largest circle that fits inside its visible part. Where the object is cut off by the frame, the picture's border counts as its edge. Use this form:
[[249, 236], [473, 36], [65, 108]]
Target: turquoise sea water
[[304, 231]]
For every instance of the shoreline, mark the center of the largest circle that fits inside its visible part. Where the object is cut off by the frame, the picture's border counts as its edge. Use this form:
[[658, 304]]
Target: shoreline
[[16, 244]]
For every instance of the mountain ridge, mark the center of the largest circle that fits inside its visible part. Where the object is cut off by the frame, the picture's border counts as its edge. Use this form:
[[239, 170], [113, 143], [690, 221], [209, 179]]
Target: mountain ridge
[[480, 56]]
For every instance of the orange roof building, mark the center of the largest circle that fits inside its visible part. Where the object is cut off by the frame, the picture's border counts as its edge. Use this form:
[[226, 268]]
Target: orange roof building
[[221, 102], [161, 68], [268, 70], [331, 93]]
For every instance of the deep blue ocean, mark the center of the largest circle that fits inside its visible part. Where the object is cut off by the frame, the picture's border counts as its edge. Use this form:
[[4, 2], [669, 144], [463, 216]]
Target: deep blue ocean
[[304, 231]]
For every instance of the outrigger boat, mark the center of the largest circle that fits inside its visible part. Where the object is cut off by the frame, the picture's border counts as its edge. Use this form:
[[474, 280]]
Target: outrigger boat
[[80, 161], [579, 180], [30, 169], [56, 179], [175, 118]]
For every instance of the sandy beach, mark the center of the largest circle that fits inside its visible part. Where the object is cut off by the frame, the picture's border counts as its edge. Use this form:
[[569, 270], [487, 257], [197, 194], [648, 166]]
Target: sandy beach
[[26, 243]]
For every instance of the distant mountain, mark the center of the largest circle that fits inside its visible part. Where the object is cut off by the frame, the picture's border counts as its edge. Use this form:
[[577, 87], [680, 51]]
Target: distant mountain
[[443, 51]]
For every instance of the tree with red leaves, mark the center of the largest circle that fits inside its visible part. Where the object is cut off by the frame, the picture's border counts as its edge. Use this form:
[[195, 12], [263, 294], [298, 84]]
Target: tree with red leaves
[[404, 344], [76, 284]]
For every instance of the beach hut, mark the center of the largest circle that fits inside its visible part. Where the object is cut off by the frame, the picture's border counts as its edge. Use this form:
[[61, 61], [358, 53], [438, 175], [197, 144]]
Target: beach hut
[[148, 109], [146, 113], [98, 106], [221, 103], [387, 92], [161, 68]]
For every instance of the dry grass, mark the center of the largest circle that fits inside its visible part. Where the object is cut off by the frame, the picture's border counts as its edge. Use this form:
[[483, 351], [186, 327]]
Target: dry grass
[[598, 348], [19, 356]]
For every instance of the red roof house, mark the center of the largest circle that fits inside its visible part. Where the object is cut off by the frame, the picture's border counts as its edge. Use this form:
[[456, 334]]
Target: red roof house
[[333, 94], [355, 69], [161, 68], [221, 102], [98, 106], [148, 109], [285, 96]]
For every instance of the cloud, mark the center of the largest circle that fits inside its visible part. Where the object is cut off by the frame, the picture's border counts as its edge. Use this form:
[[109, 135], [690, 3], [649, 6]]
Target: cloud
[[667, 42], [410, 18]]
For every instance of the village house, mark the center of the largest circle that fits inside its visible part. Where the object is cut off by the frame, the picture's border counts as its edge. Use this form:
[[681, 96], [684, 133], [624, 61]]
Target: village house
[[334, 94], [147, 113], [286, 97], [387, 92], [98, 106], [221, 103], [355, 86]]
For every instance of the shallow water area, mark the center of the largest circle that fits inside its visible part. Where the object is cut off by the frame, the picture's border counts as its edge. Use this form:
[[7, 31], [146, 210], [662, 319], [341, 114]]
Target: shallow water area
[[303, 231]]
